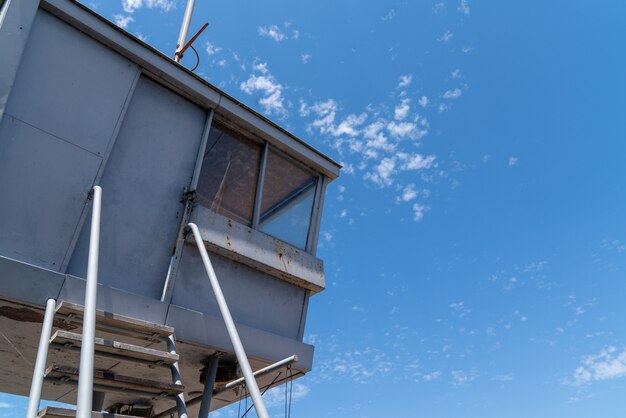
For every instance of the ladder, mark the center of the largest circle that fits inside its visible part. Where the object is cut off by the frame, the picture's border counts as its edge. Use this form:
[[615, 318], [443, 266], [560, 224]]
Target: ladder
[[108, 381], [94, 383]]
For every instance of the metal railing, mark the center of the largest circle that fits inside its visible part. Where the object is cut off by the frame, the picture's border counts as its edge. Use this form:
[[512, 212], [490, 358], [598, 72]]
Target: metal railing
[[244, 364], [85, 378]]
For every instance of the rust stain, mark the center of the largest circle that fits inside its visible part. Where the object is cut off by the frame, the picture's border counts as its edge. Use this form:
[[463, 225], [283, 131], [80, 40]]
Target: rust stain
[[30, 315]]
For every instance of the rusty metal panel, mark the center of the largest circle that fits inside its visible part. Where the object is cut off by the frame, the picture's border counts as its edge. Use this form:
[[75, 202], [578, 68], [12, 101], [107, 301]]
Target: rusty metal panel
[[69, 85], [210, 330], [150, 164], [255, 298], [259, 250], [44, 182]]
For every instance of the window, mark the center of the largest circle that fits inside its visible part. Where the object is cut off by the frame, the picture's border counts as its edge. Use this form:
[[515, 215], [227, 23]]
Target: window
[[287, 202], [230, 170]]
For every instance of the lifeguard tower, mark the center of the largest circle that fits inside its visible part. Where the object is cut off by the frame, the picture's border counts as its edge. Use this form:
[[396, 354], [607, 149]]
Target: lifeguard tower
[[197, 218]]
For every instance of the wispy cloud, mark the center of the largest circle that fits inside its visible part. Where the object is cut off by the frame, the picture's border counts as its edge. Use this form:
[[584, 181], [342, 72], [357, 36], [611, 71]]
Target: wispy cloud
[[446, 37], [452, 94], [130, 6], [123, 20], [512, 161], [405, 81], [212, 49], [464, 7], [607, 364], [273, 32], [262, 81], [390, 15]]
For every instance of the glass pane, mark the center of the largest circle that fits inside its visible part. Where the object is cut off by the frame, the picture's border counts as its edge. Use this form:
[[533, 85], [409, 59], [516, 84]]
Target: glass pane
[[287, 203], [230, 169]]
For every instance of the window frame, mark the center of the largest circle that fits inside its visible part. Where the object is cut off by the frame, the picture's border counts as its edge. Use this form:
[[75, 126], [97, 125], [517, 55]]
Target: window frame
[[320, 183]]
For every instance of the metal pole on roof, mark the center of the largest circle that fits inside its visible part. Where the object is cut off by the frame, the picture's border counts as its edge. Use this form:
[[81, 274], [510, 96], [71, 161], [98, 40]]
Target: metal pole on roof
[[184, 28]]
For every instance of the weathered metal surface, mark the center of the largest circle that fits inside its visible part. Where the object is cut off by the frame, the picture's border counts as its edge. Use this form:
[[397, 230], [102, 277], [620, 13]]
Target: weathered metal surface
[[114, 300], [261, 301], [28, 283], [55, 412], [260, 345], [149, 167], [16, 18], [39, 170], [70, 85], [188, 83], [258, 250]]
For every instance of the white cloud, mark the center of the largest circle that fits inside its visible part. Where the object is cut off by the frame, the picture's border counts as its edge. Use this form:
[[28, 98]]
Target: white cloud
[[446, 37], [423, 101], [349, 126], [432, 376], [276, 396], [512, 161], [408, 193], [212, 49], [305, 58], [123, 20], [401, 130], [502, 377], [389, 16], [405, 81], [419, 211], [383, 172], [130, 6], [273, 32], [452, 94], [456, 74], [415, 161], [608, 364], [4, 405], [464, 7], [272, 92], [402, 110]]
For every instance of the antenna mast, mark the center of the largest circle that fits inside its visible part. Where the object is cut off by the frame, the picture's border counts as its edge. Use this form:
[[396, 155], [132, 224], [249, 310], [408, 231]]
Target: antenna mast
[[184, 28]]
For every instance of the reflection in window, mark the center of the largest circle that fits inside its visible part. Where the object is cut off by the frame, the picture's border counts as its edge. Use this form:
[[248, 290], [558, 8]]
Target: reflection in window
[[287, 202], [230, 168]]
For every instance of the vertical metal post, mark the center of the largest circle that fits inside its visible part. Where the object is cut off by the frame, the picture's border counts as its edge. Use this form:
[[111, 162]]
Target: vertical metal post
[[176, 379], [184, 28], [40, 363], [209, 384], [259, 405], [258, 198], [85, 378]]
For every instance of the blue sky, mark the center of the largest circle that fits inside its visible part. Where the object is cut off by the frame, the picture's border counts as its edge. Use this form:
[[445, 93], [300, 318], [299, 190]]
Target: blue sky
[[475, 244]]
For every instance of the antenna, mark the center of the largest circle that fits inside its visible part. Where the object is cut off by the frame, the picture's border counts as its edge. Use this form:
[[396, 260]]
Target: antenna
[[184, 28]]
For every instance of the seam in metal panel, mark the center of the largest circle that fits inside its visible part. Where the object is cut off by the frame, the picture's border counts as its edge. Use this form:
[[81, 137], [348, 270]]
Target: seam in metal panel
[[105, 158]]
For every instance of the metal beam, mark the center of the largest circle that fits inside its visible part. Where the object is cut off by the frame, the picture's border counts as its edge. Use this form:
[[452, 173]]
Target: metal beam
[[209, 384]]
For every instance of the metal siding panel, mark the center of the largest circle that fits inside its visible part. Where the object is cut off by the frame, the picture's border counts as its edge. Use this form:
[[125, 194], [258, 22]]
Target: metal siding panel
[[70, 85], [209, 330], [255, 299], [27, 283], [44, 183], [151, 162]]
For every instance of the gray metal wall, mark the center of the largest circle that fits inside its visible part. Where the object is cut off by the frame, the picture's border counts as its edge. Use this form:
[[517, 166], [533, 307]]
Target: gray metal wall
[[150, 165], [255, 298], [54, 137], [79, 114]]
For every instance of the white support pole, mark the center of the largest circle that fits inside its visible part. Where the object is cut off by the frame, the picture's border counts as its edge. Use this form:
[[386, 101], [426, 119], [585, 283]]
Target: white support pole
[[40, 363], [85, 377], [251, 384], [184, 28]]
